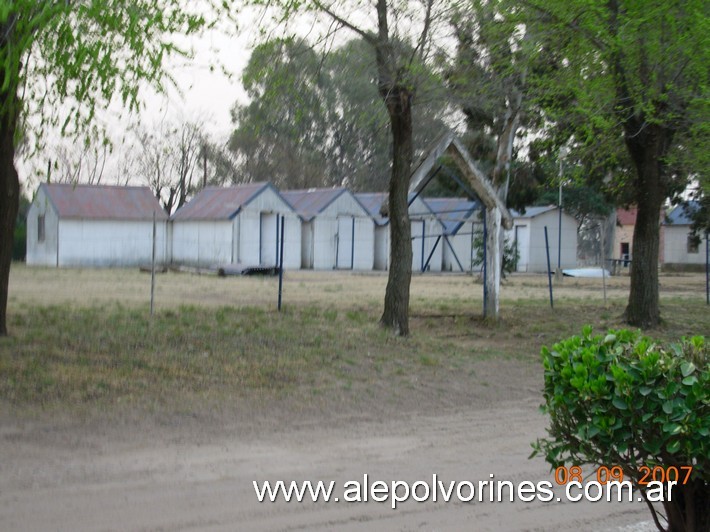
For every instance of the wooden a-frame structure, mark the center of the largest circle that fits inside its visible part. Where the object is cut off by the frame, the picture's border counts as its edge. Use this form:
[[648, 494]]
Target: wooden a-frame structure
[[497, 216]]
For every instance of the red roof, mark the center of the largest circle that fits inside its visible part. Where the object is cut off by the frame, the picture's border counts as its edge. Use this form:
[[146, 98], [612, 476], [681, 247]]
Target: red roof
[[103, 202], [220, 203], [626, 216]]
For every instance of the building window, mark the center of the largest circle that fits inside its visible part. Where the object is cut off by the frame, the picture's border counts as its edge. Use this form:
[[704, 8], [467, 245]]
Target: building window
[[693, 243], [40, 228]]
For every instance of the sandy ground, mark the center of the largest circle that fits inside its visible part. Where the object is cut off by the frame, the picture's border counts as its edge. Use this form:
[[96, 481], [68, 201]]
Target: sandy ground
[[195, 472], [90, 478]]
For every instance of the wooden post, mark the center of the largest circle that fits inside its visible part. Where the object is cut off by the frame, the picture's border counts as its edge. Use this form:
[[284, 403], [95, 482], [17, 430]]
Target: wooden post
[[549, 271], [281, 261], [494, 256]]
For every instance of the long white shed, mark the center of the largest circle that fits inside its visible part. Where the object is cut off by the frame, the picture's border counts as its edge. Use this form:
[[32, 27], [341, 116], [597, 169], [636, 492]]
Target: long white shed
[[94, 225], [426, 256], [236, 225], [337, 231]]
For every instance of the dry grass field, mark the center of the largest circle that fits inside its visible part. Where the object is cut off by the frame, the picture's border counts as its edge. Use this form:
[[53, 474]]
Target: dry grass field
[[113, 420], [85, 337]]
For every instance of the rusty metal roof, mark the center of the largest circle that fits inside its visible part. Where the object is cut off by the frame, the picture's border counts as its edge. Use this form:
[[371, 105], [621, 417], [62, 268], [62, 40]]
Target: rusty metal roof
[[452, 212], [103, 202], [220, 203], [312, 201]]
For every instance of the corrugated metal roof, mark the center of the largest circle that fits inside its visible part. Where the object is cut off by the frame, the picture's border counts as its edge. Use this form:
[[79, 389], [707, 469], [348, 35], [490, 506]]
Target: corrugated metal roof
[[103, 202], [452, 212], [680, 215], [220, 203], [311, 201], [372, 201], [532, 212]]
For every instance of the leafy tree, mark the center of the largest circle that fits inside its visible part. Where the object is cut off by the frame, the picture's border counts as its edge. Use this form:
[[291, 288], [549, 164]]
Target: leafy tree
[[321, 115], [631, 74], [624, 399], [60, 61], [281, 134]]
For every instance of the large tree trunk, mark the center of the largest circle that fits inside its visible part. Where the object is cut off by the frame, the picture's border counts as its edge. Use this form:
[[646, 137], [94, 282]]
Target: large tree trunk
[[9, 197], [689, 508], [396, 312], [647, 149]]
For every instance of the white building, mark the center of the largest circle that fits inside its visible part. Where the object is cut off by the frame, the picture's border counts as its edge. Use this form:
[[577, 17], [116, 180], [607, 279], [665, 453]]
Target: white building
[[236, 225], [426, 228], [336, 233], [462, 223], [92, 225], [680, 247], [528, 233]]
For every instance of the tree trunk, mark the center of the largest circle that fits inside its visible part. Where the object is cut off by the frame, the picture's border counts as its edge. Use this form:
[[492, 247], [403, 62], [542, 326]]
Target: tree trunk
[[647, 150], [687, 511], [396, 311], [9, 197]]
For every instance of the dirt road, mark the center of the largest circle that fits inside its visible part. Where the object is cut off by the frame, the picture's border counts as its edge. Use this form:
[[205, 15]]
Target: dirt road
[[180, 478]]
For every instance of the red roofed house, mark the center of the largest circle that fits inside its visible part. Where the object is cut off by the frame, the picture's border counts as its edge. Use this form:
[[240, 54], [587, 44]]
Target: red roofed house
[[92, 225]]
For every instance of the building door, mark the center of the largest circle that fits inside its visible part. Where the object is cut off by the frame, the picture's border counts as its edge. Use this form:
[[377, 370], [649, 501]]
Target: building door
[[268, 239], [522, 243], [344, 243]]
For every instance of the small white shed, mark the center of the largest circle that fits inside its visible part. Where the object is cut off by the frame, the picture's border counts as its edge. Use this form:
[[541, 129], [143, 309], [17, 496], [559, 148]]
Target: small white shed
[[680, 248], [337, 232], [236, 225], [426, 228], [528, 234], [94, 225], [459, 217]]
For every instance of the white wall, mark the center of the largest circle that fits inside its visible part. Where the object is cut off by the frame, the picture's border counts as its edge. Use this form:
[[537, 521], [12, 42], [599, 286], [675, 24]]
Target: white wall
[[42, 253], [110, 242], [332, 230], [202, 242], [538, 257], [675, 248], [248, 227]]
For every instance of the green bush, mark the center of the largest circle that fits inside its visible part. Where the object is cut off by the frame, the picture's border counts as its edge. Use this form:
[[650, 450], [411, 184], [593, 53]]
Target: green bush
[[624, 399]]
